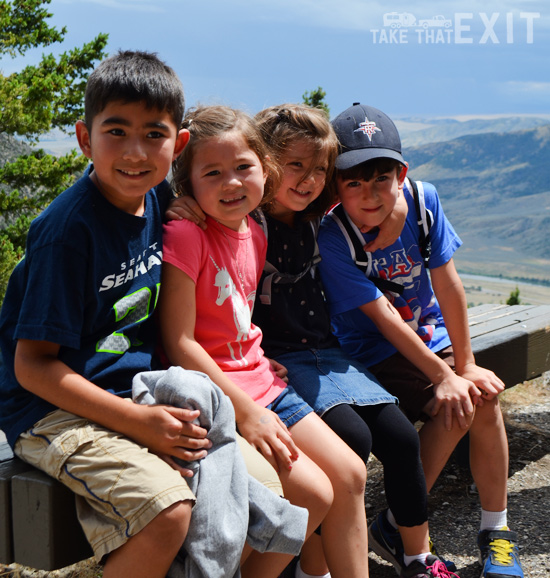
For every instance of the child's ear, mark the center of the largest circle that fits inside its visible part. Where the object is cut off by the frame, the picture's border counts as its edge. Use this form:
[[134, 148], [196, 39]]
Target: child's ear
[[181, 142], [402, 174], [83, 138]]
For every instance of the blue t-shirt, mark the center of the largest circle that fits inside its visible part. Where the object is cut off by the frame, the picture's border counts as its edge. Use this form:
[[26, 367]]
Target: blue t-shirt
[[347, 287], [89, 282]]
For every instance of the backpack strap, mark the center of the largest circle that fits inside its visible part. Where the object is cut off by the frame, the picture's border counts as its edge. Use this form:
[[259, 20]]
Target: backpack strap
[[273, 275], [356, 244], [354, 239], [424, 218]]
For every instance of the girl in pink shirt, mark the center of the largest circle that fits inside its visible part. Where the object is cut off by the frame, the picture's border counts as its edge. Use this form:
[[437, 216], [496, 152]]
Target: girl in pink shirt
[[208, 288]]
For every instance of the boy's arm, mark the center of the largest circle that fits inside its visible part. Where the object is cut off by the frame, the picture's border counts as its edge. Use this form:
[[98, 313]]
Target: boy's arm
[[261, 427], [451, 392], [450, 294], [166, 431], [186, 207]]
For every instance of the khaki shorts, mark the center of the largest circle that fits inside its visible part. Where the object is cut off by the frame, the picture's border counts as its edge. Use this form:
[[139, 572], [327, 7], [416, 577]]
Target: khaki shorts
[[120, 487], [259, 467], [403, 379]]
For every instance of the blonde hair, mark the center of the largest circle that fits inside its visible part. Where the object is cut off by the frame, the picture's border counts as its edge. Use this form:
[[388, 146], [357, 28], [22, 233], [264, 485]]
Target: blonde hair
[[205, 122], [283, 125]]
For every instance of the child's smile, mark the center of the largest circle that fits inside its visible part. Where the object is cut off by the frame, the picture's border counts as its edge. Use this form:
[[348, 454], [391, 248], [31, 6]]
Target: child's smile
[[227, 178], [132, 147], [302, 183], [368, 203]]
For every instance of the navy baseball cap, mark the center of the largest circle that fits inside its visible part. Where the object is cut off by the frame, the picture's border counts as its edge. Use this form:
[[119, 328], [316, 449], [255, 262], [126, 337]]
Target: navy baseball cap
[[365, 133]]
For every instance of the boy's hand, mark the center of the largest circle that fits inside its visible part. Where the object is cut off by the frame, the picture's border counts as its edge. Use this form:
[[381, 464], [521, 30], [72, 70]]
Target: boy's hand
[[391, 226], [455, 395], [485, 380], [186, 208], [169, 433], [279, 369], [264, 430]]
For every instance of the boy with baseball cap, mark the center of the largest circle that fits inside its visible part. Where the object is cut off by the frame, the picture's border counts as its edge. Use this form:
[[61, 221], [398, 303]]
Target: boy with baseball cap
[[411, 329]]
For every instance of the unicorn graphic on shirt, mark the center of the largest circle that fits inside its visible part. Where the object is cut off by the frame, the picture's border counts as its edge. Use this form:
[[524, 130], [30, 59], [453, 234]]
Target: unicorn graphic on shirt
[[242, 313]]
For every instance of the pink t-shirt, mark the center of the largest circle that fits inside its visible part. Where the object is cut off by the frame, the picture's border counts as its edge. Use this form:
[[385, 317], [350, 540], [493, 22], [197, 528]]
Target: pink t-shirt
[[226, 266]]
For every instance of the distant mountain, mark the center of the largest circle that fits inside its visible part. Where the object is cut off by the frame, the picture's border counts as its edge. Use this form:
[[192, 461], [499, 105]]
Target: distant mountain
[[495, 189], [418, 131]]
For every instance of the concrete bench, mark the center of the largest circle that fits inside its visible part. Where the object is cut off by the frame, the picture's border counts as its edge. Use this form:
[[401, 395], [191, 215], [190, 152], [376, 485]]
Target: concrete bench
[[38, 525]]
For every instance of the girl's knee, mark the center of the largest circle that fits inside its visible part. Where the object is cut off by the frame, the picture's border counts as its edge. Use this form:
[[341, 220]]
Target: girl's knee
[[350, 475], [325, 494], [308, 486]]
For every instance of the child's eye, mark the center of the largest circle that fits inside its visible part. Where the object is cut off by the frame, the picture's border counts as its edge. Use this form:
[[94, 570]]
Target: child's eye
[[155, 134], [321, 169], [243, 167], [297, 164], [212, 173], [381, 178], [116, 132], [353, 184]]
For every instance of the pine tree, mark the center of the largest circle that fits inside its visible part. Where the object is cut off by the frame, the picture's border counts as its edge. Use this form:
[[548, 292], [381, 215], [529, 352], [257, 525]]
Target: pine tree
[[514, 297], [316, 99], [34, 101]]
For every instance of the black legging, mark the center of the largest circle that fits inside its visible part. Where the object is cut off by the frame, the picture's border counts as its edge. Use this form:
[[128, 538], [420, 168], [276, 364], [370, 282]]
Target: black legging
[[384, 430]]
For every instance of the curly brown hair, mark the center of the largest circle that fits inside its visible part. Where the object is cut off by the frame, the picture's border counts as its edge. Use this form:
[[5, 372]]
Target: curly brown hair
[[286, 124]]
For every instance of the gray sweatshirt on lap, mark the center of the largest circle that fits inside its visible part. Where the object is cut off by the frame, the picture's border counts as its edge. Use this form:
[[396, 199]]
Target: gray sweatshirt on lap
[[231, 506]]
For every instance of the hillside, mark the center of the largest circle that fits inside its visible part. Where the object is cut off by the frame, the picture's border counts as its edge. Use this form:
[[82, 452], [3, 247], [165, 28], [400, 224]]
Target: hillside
[[417, 131], [495, 190]]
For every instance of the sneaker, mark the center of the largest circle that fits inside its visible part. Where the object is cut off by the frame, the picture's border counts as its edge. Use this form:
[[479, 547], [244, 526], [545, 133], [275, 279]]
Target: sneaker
[[385, 541], [432, 568], [498, 554]]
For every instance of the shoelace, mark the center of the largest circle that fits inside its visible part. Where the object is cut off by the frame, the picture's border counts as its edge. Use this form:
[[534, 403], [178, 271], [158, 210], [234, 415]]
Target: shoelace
[[502, 551], [439, 570]]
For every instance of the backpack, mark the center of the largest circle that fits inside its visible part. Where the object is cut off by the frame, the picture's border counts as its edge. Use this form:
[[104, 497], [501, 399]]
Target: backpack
[[356, 242], [274, 276]]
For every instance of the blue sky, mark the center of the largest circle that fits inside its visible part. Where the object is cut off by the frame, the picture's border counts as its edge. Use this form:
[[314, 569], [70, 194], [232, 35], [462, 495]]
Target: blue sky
[[493, 57]]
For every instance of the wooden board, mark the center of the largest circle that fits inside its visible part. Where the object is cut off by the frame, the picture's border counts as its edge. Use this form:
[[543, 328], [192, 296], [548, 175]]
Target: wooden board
[[513, 341]]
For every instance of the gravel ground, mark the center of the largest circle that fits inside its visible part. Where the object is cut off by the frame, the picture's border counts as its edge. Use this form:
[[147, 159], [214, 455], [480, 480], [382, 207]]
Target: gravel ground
[[454, 507]]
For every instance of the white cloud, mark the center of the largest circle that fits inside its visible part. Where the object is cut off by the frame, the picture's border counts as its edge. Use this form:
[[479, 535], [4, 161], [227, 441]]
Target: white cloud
[[519, 88]]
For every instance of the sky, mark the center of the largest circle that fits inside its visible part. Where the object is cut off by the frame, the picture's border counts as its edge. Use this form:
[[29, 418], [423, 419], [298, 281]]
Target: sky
[[447, 58]]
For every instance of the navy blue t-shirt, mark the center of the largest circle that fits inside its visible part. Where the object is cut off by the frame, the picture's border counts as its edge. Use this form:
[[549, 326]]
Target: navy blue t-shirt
[[89, 282]]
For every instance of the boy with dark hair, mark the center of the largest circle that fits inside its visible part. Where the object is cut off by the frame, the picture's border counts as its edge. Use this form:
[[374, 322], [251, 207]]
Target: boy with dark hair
[[412, 332], [76, 326]]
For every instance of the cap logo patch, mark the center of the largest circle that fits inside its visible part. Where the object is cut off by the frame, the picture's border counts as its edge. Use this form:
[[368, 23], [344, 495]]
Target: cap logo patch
[[369, 128]]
